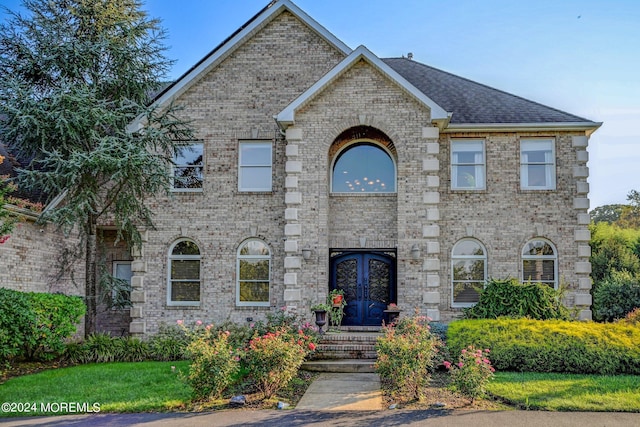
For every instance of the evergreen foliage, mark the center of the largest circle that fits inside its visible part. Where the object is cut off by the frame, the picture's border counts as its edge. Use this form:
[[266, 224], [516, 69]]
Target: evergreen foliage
[[73, 75]]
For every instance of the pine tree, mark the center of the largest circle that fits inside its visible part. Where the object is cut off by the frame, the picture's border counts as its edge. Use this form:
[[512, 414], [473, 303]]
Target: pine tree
[[73, 74]]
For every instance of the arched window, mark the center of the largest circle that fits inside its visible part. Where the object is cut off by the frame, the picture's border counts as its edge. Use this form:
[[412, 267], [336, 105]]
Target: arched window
[[253, 273], [540, 263], [364, 168], [183, 284], [469, 272]]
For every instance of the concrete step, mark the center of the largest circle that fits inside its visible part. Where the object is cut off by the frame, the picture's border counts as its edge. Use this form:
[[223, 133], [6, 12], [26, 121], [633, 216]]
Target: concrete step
[[326, 354], [341, 365]]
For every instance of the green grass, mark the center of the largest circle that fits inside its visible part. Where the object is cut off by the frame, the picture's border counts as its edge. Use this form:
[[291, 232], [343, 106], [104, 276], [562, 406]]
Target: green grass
[[117, 387], [568, 392]]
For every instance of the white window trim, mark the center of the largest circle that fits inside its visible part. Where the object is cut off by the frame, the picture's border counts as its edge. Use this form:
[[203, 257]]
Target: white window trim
[[241, 167], [361, 194], [485, 258], [524, 178], [482, 165], [176, 165], [172, 257], [553, 257], [262, 257]]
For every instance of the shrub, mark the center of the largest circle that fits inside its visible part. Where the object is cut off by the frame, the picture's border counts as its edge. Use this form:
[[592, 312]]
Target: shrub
[[101, 347], [170, 343], [15, 317], [133, 349], [214, 364], [406, 356], [274, 359], [36, 325], [616, 296], [551, 345], [633, 318], [472, 373], [511, 298], [76, 352]]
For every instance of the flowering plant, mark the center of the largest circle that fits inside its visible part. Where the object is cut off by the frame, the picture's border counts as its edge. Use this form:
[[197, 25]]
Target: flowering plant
[[472, 373], [273, 359], [406, 355]]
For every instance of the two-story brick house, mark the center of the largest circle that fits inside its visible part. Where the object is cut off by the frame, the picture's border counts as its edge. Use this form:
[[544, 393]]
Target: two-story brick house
[[316, 166]]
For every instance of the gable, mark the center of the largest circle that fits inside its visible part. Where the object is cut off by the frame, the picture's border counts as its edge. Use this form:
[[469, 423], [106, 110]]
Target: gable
[[287, 116], [272, 11]]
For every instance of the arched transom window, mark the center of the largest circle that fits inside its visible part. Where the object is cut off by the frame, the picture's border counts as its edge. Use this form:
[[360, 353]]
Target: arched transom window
[[183, 284], [469, 272], [254, 267], [540, 263], [364, 168]]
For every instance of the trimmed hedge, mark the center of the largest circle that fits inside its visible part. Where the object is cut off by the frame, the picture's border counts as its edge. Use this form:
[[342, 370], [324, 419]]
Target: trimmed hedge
[[36, 325], [551, 345]]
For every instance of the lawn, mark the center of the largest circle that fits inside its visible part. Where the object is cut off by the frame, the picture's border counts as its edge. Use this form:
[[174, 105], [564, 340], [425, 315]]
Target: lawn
[[117, 387], [156, 387], [568, 392]]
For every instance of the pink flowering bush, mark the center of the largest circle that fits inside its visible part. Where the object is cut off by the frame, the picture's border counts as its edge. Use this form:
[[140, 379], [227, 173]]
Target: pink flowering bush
[[214, 362], [274, 359], [472, 373], [406, 355]]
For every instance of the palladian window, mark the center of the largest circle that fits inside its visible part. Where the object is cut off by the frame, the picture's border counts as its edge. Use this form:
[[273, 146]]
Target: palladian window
[[364, 168]]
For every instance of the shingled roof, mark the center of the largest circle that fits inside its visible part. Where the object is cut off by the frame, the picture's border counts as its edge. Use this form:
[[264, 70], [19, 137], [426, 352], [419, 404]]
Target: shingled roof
[[475, 103]]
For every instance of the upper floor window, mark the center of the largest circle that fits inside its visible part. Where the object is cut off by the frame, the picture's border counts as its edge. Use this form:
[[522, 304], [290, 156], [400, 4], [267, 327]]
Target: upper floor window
[[364, 168], [467, 165], [183, 283], [537, 164], [188, 166], [469, 272], [253, 275], [539, 263], [255, 166]]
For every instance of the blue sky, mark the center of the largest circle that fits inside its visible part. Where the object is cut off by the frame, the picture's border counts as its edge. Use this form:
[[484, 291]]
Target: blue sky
[[580, 56]]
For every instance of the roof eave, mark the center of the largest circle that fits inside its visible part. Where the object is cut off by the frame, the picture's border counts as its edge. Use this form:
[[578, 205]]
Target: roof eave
[[587, 127]]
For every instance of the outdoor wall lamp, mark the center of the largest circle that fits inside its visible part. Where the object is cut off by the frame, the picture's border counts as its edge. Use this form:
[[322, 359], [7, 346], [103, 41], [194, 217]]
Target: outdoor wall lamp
[[415, 252]]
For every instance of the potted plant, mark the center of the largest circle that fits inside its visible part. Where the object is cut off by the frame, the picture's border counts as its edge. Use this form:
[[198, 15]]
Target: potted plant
[[337, 301], [321, 311], [336, 296], [393, 312]]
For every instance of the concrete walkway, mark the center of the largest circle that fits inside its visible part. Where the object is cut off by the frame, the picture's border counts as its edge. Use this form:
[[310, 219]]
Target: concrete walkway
[[343, 392]]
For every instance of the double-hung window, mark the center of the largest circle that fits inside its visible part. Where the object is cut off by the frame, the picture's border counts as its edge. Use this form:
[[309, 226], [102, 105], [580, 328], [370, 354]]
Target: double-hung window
[[540, 263], [254, 274], [467, 165], [188, 167], [183, 282], [255, 166], [537, 164], [469, 272]]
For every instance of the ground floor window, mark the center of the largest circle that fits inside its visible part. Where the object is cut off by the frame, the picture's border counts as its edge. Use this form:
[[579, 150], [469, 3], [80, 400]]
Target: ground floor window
[[469, 272], [183, 284], [253, 273], [540, 263]]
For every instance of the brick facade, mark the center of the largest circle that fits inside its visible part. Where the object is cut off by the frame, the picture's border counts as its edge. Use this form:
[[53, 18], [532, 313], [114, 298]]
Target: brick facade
[[277, 62]]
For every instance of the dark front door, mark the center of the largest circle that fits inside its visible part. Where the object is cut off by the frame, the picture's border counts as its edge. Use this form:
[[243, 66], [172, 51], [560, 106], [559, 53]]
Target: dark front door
[[368, 282]]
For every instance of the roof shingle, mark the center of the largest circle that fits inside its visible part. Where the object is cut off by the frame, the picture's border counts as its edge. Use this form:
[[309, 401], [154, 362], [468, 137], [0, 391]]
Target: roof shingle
[[475, 103]]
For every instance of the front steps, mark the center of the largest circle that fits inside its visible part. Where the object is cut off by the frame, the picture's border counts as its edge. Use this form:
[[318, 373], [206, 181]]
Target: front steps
[[350, 350]]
